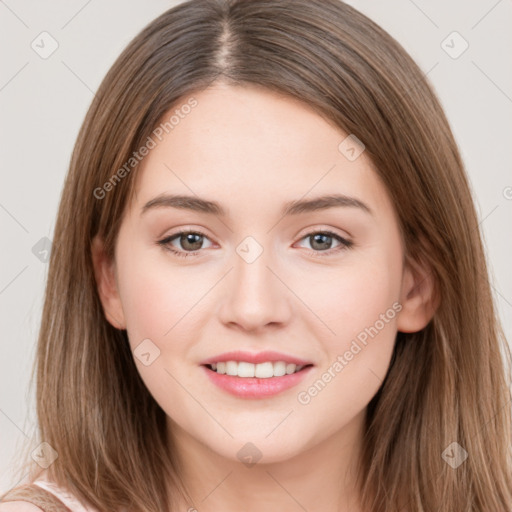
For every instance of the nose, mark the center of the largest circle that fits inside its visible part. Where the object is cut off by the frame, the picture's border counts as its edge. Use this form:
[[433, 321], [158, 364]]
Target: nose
[[254, 294]]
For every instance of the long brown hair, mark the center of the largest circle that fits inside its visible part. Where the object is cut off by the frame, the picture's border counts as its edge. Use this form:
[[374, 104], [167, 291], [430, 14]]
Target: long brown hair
[[447, 383]]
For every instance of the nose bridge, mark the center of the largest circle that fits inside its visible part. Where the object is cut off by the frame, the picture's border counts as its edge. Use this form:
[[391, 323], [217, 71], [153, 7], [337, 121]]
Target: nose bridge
[[251, 266], [255, 297]]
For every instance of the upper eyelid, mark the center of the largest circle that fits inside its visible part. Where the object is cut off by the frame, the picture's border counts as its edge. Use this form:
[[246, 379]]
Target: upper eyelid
[[306, 231], [312, 230]]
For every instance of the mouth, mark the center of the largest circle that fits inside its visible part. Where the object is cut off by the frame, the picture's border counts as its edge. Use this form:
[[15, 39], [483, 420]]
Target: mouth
[[245, 379]]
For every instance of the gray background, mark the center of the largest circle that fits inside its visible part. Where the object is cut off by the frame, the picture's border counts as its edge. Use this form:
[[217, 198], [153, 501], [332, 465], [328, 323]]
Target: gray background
[[43, 102]]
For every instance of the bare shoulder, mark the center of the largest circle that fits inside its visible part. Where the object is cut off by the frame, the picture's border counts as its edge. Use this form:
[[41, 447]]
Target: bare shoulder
[[18, 506]]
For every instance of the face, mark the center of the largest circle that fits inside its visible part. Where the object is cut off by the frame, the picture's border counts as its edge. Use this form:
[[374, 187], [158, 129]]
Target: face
[[317, 291]]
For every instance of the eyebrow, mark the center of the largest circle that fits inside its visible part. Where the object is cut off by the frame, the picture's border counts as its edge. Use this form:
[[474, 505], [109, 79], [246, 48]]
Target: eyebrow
[[290, 208]]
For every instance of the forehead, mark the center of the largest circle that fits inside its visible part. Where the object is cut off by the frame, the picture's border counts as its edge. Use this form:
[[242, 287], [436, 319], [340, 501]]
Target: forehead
[[242, 145]]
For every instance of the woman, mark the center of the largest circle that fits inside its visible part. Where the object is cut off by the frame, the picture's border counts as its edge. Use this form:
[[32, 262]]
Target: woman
[[254, 371]]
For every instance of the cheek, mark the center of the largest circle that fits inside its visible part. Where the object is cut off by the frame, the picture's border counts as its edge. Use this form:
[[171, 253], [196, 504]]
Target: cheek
[[155, 297], [353, 296], [158, 304], [361, 308]]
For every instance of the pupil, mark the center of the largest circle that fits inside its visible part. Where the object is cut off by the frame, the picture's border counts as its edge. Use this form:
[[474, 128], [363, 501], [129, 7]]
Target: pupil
[[319, 238], [189, 239]]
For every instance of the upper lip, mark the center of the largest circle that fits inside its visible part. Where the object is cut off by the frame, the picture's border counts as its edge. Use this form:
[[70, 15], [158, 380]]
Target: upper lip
[[255, 357]]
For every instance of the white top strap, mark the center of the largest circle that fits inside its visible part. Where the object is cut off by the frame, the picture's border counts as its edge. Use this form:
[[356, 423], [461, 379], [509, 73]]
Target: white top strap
[[64, 495]]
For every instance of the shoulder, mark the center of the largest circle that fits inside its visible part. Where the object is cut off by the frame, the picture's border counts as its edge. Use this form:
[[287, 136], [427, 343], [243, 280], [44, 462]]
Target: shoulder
[[18, 506], [43, 494], [36, 496]]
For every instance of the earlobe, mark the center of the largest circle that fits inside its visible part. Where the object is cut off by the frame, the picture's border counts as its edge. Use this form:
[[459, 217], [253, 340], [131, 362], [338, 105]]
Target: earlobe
[[104, 271], [418, 298]]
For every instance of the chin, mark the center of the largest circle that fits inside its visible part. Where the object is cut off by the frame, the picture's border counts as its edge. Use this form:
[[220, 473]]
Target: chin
[[250, 447]]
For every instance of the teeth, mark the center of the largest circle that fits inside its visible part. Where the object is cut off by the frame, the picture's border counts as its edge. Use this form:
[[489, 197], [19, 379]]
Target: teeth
[[263, 370], [245, 369], [279, 369], [260, 370], [231, 368]]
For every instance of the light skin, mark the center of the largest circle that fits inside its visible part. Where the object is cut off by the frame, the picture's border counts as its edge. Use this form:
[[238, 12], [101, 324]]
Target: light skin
[[252, 151]]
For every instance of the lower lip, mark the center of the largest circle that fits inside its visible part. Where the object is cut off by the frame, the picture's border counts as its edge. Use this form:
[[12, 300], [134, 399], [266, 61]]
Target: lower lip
[[253, 387]]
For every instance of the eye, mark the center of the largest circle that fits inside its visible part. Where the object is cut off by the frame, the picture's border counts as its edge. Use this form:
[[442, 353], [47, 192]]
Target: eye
[[190, 241], [321, 242]]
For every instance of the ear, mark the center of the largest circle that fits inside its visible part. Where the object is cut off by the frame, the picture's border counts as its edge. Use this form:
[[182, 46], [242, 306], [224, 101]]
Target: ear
[[104, 271], [418, 297]]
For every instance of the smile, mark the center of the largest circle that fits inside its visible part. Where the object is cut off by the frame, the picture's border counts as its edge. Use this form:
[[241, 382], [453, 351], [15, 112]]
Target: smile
[[243, 379]]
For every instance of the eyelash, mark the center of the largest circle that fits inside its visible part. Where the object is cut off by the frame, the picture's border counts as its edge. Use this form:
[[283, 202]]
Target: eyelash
[[345, 244]]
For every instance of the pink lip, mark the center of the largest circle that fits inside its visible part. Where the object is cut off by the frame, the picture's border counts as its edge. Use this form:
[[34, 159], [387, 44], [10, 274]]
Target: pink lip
[[255, 358], [252, 387]]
